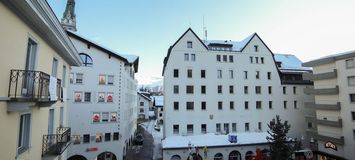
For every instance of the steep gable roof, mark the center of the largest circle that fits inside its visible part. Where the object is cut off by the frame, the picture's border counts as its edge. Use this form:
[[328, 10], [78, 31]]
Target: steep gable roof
[[171, 47]]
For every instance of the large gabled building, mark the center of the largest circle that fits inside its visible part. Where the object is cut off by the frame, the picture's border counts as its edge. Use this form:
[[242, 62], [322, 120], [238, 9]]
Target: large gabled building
[[223, 87]]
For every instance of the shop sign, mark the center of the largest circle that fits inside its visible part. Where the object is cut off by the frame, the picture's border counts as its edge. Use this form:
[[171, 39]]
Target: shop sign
[[92, 149], [330, 145]]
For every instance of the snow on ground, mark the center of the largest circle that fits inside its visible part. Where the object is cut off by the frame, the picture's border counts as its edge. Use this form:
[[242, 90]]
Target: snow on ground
[[157, 136], [212, 139]]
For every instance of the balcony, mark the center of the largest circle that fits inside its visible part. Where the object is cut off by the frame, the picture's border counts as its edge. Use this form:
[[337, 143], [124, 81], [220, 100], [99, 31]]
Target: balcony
[[320, 76], [323, 91], [55, 144], [332, 123], [313, 133], [32, 86], [332, 107]]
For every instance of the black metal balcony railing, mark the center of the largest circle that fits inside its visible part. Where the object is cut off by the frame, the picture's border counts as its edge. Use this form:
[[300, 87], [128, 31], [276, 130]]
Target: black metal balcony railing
[[27, 85], [55, 144]]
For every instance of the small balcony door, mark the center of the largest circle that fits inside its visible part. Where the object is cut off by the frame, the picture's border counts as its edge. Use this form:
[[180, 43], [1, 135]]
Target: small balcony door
[[29, 77]]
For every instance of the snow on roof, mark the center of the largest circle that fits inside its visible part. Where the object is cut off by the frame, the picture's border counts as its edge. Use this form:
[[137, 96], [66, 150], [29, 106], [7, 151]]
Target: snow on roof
[[290, 62], [158, 100], [129, 58], [151, 113], [236, 45], [211, 139]]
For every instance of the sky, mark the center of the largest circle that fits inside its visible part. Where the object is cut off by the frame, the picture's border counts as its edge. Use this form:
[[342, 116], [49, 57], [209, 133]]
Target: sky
[[308, 29]]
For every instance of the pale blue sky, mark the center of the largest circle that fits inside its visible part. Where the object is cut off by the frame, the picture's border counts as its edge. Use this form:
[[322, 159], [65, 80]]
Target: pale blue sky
[[305, 28]]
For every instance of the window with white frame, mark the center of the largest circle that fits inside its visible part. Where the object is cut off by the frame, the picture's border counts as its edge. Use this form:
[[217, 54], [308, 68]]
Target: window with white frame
[[113, 116], [190, 129], [193, 57], [110, 79], [219, 73], [176, 129], [186, 57], [71, 78], [87, 96], [189, 44], [231, 75], [234, 127], [105, 116], [351, 80], [79, 78], [96, 117], [24, 133], [102, 79]]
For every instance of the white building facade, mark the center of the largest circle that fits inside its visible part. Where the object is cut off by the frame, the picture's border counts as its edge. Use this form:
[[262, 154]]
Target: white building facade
[[102, 102], [226, 87], [145, 105], [334, 101]]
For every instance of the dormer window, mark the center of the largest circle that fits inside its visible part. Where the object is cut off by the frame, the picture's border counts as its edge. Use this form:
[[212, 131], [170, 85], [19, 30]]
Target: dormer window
[[189, 44], [256, 48]]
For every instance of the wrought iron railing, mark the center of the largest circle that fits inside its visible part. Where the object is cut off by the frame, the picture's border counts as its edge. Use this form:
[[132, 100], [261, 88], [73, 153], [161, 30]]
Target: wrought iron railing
[[30, 85], [55, 144]]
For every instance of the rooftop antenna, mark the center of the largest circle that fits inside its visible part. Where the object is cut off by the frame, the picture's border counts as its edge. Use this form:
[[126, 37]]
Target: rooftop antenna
[[204, 29]]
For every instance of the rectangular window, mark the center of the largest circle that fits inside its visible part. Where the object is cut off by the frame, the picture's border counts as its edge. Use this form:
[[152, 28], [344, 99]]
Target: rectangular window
[[107, 136], [350, 63], [76, 139], [351, 80], [203, 105], [352, 98], [98, 137], [186, 57], [189, 44], [245, 89], [87, 97], [246, 105], [231, 75], [256, 48], [231, 89], [116, 136], [176, 73], [64, 76], [220, 105], [141, 103], [61, 117], [79, 78], [262, 60], [219, 73], [270, 104], [270, 89], [246, 127], [251, 59], [259, 126], [203, 73], [203, 89], [101, 97], [96, 117], [141, 110], [102, 79], [86, 138], [224, 58], [55, 68], [71, 78], [189, 89], [113, 116], [176, 89], [353, 116], [78, 96], [354, 134], [257, 89], [219, 89], [189, 73], [218, 57], [24, 133], [258, 104], [105, 116], [257, 75], [245, 74], [203, 128], [285, 104], [234, 127], [231, 59], [295, 104], [284, 90], [189, 105], [268, 75], [190, 129], [193, 57], [294, 90], [256, 59], [226, 127], [231, 105], [110, 79], [218, 127], [176, 129], [176, 106]]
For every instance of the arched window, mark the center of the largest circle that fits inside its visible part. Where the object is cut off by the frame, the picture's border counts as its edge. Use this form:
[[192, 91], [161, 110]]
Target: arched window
[[86, 59], [218, 156], [175, 157], [234, 155]]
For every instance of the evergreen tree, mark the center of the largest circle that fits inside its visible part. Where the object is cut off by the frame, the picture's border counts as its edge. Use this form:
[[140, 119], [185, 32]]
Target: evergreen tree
[[280, 148]]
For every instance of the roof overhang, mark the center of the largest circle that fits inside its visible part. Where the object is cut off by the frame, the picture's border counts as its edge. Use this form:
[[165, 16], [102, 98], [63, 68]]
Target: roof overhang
[[329, 59]]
